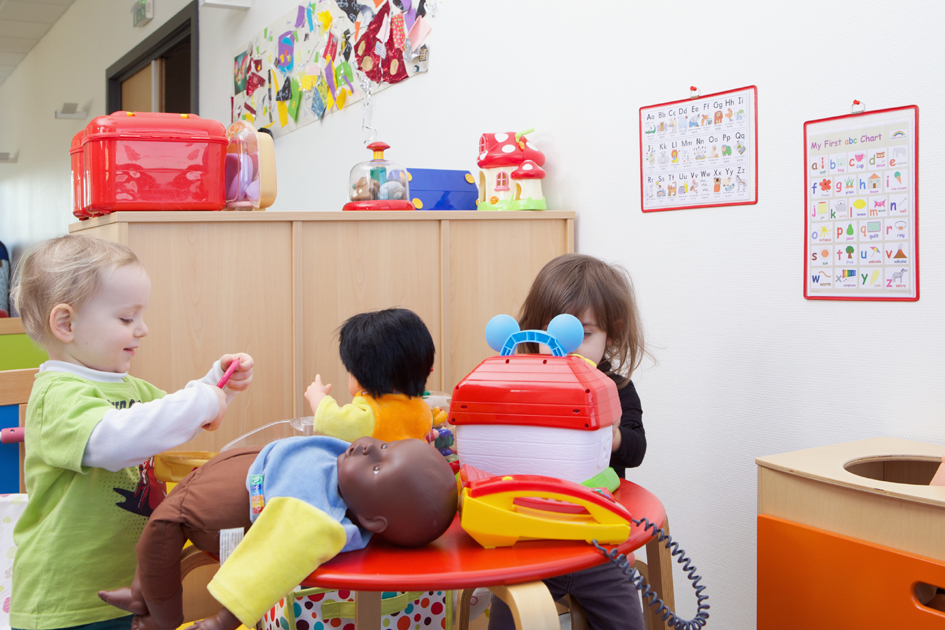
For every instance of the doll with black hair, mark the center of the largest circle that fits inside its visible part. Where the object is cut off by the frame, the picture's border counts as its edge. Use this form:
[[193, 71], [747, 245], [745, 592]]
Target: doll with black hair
[[389, 355]]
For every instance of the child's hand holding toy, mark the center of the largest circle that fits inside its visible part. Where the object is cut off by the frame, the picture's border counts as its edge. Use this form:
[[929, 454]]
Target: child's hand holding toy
[[242, 376], [316, 391], [238, 374]]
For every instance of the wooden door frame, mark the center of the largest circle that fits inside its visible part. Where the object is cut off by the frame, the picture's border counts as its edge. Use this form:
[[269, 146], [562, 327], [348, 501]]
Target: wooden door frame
[[171, 33]]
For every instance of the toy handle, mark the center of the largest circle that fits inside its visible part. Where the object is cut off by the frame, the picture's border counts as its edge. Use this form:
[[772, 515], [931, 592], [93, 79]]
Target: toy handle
[[12, 435], [532, 336], [541, 485], [564, 335]]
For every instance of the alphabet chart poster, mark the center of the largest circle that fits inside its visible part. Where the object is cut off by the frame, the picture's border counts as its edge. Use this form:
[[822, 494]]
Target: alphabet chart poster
[[861, 229], [700, 151]]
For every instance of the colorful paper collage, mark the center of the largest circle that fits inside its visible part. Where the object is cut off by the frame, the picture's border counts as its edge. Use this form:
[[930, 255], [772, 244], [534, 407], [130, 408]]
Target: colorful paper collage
[[699, 152], [310, 61], [861, 217]]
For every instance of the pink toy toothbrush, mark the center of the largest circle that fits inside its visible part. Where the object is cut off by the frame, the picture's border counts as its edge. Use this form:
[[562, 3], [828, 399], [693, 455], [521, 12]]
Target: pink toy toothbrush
[[229, 372]]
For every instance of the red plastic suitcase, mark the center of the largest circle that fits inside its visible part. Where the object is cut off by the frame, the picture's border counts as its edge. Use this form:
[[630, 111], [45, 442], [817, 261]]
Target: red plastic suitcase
[[152, 161], [79, 208]]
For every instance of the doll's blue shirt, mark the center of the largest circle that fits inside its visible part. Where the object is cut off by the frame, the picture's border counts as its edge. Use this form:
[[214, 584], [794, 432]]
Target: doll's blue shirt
[[305, 468]]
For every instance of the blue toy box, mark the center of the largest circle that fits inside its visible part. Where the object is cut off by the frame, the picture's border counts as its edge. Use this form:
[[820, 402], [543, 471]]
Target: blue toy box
[[438, 189]]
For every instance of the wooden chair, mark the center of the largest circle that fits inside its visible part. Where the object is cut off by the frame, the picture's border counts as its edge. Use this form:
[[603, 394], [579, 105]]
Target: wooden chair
[[15, 387], [197, 568], [658, 574]]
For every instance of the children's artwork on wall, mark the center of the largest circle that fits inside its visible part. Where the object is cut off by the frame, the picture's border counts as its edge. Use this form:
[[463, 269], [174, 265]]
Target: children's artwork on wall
[[325, 55], [700, 151], [861, 206]]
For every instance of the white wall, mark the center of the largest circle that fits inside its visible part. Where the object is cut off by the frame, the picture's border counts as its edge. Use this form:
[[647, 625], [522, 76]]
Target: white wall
[[67, 65], [747, 367]]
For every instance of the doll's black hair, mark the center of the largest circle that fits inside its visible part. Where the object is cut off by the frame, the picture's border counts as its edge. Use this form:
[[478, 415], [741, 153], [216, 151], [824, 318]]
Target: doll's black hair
[[389, 351]]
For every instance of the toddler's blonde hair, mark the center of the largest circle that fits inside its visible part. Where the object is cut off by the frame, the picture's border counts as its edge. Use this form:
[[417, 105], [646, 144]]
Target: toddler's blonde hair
[[64, 270]]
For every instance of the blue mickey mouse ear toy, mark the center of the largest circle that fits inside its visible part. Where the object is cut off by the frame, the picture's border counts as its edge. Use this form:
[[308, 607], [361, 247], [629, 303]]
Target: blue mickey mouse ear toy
[[564, 335]]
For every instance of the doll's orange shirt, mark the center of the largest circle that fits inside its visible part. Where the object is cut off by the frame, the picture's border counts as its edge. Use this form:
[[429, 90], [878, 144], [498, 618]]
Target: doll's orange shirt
[[389, 417]]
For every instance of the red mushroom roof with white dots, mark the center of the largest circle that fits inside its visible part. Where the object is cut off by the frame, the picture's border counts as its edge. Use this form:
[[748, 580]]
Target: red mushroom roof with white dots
[[501, 149], [528, 170]]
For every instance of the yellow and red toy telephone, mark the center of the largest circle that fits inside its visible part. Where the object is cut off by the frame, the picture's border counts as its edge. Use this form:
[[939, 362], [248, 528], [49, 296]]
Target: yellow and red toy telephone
[[498, 511]]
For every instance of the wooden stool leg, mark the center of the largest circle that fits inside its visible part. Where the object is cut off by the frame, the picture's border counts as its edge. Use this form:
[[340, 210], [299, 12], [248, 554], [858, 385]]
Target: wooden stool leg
[[641, 568], [531, 605], [660, 565], [578, 618], [196, 571], [367, 610], [462, 615]]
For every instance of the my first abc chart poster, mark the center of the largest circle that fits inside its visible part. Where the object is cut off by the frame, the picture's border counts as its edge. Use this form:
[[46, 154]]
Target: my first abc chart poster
[[861, 219]]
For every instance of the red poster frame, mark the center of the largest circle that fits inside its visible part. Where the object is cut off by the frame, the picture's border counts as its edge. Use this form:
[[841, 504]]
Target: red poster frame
[[915, 168], [754, 89]]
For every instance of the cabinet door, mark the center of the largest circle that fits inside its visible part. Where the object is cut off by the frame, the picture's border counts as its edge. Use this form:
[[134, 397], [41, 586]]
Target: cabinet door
[[219, 288], [349, 267], [491, 265]]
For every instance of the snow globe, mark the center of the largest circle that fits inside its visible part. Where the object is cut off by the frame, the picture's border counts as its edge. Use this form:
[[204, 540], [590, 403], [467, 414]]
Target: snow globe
[[378, 184]]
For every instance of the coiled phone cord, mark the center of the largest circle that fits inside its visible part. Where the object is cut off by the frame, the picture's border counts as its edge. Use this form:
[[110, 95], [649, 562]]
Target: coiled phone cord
[[670, 617]]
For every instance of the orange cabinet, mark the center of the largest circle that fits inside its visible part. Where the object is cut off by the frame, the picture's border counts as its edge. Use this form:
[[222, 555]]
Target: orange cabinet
[[851, 536]]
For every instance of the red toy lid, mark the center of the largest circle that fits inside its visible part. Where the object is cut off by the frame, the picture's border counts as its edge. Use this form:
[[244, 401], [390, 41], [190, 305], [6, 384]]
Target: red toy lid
[[390, 204], [378, 146], [76, 146], [536, 390], [528, 170], [155, 126], [501, 149]]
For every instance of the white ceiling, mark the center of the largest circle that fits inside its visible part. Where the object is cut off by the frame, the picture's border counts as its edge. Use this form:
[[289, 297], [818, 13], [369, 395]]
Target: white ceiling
[[22, 24]]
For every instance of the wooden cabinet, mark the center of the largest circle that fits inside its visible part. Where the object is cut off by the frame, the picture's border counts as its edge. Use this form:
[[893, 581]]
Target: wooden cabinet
[[279, 284]]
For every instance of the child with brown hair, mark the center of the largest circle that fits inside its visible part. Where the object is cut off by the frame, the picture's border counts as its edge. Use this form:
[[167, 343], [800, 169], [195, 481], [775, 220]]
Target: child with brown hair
[[88, 427], [601, 297]]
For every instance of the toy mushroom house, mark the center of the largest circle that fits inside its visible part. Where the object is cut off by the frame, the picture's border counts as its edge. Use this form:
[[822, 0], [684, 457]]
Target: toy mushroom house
[[537, 414], [511, 173]]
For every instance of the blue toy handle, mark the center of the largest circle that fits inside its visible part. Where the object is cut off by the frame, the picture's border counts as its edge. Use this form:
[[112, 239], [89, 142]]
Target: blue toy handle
[[565, 335], [535, 336]]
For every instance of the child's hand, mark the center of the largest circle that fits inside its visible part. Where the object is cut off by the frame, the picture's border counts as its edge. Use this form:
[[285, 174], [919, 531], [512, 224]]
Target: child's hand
[[315, 392], [214, 424], [243, 375], [617, 437]]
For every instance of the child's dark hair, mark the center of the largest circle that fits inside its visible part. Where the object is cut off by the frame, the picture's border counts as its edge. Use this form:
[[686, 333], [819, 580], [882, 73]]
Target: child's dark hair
[[571, 284], [389, 351]]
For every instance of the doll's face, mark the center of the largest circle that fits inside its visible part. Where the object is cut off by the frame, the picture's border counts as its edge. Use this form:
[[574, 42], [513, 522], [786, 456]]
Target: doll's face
[[369, 473], [384, 484]]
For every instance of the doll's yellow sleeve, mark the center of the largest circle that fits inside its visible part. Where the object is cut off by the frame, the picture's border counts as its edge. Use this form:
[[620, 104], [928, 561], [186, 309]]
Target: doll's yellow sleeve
[[288, 541], [346, 423]]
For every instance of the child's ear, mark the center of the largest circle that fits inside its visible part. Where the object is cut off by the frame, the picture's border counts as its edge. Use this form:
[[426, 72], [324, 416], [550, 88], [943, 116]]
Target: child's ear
[[376, 524], [60, 322]]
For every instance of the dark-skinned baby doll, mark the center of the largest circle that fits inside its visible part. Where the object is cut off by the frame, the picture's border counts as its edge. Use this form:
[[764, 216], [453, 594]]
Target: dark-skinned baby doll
[[307, 499]]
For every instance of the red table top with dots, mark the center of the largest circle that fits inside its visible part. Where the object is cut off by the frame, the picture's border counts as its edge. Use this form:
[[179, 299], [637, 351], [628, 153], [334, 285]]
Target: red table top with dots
[[456, 561]]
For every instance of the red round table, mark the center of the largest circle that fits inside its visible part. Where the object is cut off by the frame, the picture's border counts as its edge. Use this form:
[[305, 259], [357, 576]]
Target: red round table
[[456, 561]]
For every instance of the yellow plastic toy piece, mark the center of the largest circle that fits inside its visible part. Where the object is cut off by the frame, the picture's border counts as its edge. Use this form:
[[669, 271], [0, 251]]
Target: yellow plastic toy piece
[[494, 520], [173, 466]]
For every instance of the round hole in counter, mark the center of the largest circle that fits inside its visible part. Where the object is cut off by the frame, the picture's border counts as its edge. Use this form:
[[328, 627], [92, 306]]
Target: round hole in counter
[[915, 470]]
